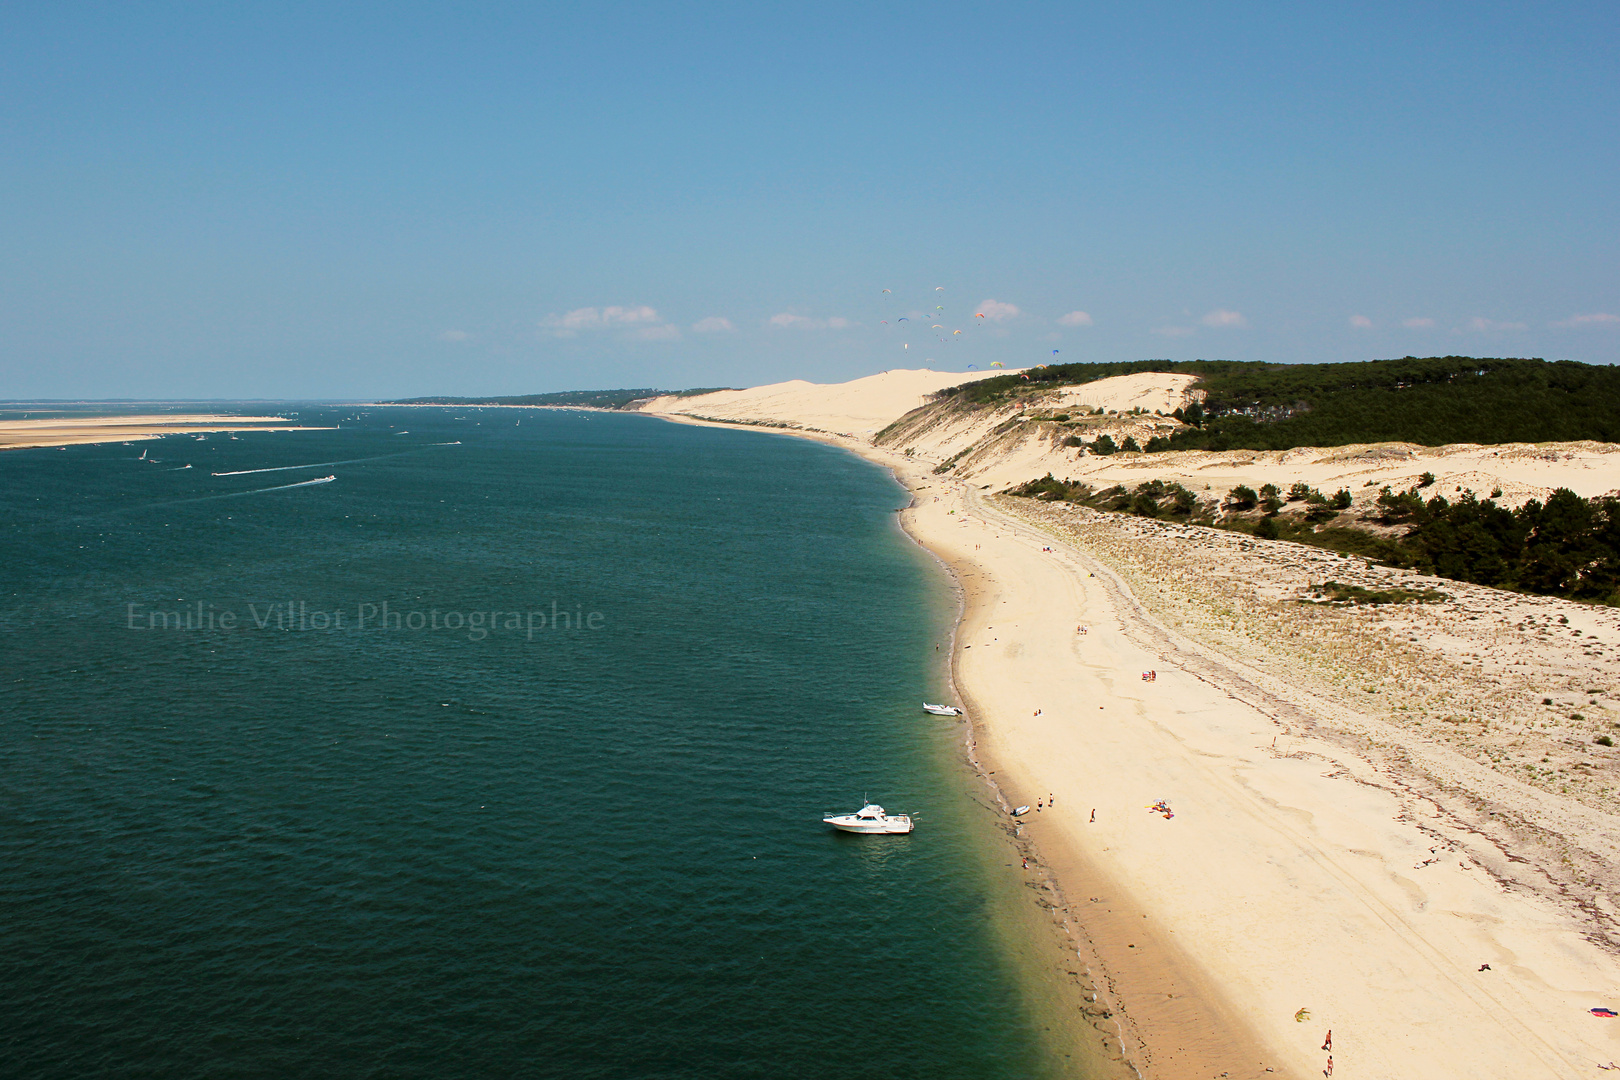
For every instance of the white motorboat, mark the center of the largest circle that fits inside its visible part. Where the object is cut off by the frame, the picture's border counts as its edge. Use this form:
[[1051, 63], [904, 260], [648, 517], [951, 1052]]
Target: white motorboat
[[870, 818], [941, 710], [1020, 811]]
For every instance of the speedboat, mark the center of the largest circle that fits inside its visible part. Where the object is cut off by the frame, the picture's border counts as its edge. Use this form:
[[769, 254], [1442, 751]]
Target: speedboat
[[941, 710], [870, 818]]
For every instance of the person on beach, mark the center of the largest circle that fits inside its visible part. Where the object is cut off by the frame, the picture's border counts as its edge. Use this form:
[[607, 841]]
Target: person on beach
[[1327, 1043], [1094, 816]]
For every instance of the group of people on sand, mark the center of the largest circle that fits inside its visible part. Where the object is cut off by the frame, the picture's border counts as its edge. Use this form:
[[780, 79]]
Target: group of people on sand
[[1149, 676]]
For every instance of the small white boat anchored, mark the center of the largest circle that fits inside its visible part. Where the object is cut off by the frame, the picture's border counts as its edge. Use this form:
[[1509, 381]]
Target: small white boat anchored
[[1020, 811], [941, 710], [870, 818]]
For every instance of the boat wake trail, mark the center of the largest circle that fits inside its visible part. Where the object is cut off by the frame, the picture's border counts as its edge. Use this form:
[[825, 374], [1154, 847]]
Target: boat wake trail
[[278, 487], [313, 465], [208, 498]]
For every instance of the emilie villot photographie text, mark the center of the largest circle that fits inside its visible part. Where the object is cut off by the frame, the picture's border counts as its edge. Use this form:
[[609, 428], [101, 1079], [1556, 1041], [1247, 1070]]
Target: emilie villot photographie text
[[369, 616]]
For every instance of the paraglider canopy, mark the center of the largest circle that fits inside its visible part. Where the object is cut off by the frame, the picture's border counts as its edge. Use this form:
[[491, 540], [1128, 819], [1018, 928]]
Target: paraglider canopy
[[997, 363]]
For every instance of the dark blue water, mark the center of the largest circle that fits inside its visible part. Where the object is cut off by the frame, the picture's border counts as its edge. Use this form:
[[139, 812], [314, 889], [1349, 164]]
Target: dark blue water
[[557, 814]]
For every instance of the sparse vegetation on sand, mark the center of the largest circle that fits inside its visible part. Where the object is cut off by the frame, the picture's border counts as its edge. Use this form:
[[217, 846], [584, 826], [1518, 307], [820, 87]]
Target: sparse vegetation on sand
[[1567, 546], [1521, 684]]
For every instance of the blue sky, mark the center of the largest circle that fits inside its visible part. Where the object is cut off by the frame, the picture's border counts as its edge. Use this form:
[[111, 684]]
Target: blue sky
[[347, 200]]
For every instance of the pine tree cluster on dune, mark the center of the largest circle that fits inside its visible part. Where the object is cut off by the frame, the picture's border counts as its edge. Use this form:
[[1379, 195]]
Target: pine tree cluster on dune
[[1431, 402], [1567, 546]]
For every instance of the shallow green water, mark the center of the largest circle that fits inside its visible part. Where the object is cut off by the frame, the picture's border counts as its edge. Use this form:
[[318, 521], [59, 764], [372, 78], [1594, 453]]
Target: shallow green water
[[530, 849]]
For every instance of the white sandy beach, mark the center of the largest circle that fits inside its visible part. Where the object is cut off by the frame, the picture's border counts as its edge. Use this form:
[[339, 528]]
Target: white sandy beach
[[1369, 804]]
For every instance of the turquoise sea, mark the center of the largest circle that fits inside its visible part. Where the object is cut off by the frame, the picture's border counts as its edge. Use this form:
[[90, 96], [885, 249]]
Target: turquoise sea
[[369, 830]]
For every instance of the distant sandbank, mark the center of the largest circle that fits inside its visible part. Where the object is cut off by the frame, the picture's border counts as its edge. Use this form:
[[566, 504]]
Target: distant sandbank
[[77, 430]]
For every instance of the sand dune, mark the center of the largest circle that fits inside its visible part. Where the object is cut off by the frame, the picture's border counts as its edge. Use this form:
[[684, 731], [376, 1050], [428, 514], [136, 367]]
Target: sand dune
[[860, 408], [1370, 804], [1007, 444]]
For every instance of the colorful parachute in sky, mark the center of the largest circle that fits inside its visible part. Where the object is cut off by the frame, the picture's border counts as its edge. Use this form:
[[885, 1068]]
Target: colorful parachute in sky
[[997, 363], [955, 332]]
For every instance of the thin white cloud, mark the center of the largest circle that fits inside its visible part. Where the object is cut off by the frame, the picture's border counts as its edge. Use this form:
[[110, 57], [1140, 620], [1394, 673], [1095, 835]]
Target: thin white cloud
[[1490, 325], [1418, 324], [454, 335], [1074, 318], [996, 311], [1597, 318], [714, 324], [1173, 331], [1361, 322], [1222, 318], [620, 315], [590, 318], [787, 320]]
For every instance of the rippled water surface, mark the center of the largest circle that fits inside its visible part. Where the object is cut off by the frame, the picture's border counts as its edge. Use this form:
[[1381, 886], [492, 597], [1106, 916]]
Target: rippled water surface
[[313, 848]]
